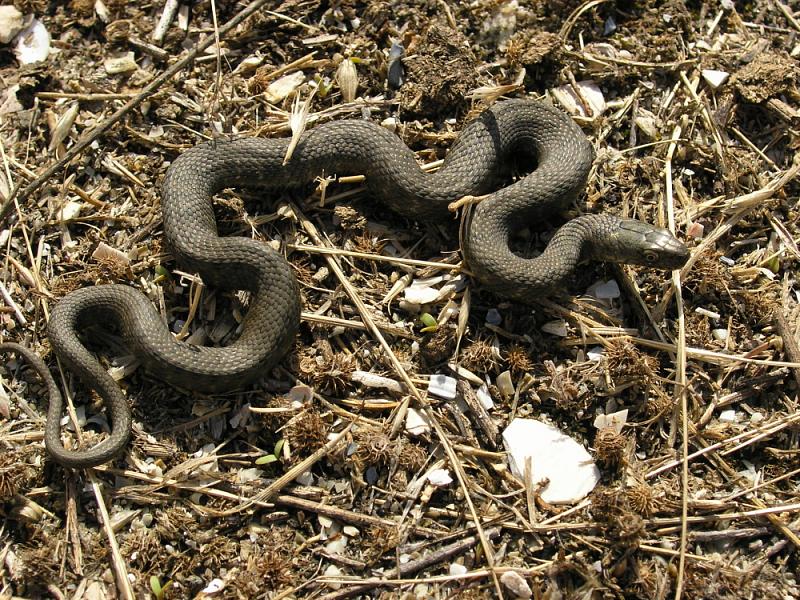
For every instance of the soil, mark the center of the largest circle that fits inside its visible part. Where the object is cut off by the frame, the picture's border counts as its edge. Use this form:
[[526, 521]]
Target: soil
[[312, 483]]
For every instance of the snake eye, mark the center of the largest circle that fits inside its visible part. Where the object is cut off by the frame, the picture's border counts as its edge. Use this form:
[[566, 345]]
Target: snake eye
[[650, 256]]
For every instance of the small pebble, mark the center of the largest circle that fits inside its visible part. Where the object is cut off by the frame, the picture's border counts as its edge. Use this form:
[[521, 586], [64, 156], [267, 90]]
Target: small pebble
[[720, 334], [306, 478], [333, 571], [607, 290], [595, 353], [457, 569], [516, 584], [493, 317]]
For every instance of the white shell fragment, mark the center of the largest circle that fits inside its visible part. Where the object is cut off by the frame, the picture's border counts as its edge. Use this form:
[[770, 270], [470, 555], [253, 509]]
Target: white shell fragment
[[70, 210], [595, 353], [215, 586], [558, 328], [120, 64], [442, 386], [505, 385], [590, 93], [616, 420], [376, 381], [420, 294], [440, 477], [728, 416], [604, 290], [106, 252], [720, 334], [516, 584], [416, 422], [33, 43], [11, 23], [715, 78], [484, 397], [281, 88], [554, 456]]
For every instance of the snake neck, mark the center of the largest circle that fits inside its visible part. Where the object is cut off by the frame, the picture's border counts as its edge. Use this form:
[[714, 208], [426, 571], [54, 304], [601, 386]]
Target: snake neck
[[526, 279]]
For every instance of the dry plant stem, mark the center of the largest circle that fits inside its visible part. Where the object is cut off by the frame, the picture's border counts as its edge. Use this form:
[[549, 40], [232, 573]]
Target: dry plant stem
[[292, 474], [321, 508], [476, 574], [710, 356], [120, 570], [754, 435], [680, 359], [572, 19], [311, 230], [85, 97], [337, 322], [18, 196], [790, 346], [405, 570], [787, 12], [376, 257], [71, 519], [14, 306]]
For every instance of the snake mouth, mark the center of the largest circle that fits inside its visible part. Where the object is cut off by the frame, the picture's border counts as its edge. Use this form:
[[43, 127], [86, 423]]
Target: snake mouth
[[666, 251]]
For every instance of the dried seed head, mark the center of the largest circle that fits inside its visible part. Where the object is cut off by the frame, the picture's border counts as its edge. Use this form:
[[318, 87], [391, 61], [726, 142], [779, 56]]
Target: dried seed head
[[347, 78], [641, 499], [518, 359], [480, 356], [609, 446]]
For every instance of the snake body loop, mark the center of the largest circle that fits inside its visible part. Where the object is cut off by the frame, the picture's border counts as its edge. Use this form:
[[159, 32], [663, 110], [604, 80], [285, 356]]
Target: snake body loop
[[483, 152]]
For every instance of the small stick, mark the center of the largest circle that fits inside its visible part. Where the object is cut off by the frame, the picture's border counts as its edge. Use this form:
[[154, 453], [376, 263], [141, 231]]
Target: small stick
[[170, 8], [404, 570], [10, 301], [120, 570], [790, 346]]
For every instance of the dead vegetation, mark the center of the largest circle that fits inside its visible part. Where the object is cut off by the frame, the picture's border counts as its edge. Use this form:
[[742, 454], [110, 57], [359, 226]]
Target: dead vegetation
[[363, 483]]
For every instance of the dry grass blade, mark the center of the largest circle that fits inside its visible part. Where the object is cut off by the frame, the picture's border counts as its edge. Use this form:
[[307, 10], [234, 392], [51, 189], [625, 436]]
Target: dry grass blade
[[297, 122]]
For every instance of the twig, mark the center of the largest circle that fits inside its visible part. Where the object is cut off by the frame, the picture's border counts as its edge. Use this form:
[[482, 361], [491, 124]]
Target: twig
[[790, 346], [290, 475], [10, 301], [680, 359], [414, 566], [120, 570], [376, 257]]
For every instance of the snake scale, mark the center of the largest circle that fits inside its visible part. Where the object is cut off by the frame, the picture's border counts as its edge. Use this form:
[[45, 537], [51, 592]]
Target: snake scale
[[477, 159]]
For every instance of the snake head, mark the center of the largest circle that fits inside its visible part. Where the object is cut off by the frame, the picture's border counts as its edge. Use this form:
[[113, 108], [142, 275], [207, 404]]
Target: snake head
[[639, 243]]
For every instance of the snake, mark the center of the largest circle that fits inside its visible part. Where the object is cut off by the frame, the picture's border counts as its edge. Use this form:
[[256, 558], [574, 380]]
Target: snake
[[479, 160]]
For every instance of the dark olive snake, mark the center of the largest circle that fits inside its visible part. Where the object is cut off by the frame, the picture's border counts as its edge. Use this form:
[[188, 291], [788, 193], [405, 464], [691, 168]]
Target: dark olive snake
[[482, 152]]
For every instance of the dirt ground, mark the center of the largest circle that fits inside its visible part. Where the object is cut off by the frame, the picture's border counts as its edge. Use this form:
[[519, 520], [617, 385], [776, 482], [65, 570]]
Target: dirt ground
[[311, 484]]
